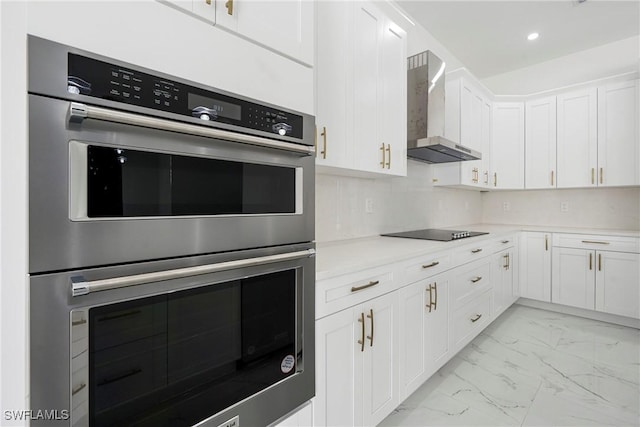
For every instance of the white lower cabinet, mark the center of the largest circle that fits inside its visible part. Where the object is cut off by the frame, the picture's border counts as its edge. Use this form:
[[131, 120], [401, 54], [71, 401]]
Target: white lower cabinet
[[602, 280], [357, 353], [535, 265], [424, 331], [502, 280]]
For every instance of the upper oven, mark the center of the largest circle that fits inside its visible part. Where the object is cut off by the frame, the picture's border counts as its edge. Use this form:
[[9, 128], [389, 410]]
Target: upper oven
[[127, 165]]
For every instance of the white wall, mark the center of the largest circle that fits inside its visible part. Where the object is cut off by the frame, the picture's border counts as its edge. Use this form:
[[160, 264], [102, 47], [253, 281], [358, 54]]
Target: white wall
[[13, 204], [607, 208], [603, 61], [399, 204]]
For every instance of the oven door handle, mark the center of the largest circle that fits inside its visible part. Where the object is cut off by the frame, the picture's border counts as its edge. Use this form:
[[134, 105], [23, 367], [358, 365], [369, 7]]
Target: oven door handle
[[79, 286], [78, 112]]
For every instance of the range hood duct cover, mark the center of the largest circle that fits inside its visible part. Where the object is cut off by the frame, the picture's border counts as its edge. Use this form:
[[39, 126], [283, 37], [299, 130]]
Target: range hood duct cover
[[425, 113]]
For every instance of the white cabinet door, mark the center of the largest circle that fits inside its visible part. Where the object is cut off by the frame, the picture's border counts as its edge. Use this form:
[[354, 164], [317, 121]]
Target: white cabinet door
[[618, 283], [540, 143], [380, 359], [502, 281], [573, 278], [486, 135], [507, 153], [471, 104], [412, 337], [577, 139], [338, 398], [438, 350], [284, 26], [535, 266], [334, 100], [202, 8], [367, 39], [618, 143], [393, 82]]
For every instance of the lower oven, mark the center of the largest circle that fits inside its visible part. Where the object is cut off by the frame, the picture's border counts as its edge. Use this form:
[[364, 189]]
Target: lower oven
[[195, 341]]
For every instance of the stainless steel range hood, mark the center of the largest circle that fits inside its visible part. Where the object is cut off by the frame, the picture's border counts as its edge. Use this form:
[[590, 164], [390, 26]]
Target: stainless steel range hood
[[425, 113]]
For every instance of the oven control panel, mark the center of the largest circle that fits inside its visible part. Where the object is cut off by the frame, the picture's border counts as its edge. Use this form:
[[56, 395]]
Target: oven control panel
[[91, 77]]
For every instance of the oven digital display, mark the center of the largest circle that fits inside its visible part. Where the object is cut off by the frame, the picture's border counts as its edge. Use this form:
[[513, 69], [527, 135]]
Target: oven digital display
[[199, 105]]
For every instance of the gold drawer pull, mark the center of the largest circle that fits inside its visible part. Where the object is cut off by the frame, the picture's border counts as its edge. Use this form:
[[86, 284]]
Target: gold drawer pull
[[435, 299], [590, 261], [504, 242], [475, 251], [430, 297], [595, 242], [475, 319], [229, 6], [599, 262], [383, 162], [546, 243], [368, 285], [476, 279], [433, 264], [361, 340]]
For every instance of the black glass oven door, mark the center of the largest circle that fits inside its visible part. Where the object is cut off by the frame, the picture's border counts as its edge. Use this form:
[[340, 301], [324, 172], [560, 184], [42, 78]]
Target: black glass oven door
[[178, 358]]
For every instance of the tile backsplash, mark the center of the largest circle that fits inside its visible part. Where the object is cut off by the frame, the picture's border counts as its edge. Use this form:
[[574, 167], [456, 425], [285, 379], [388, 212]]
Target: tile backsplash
[[398, 204], [609, 208], [402, 204]]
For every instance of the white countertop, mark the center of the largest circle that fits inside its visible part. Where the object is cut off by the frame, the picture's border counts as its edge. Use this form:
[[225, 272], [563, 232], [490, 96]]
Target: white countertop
[[349, 256]]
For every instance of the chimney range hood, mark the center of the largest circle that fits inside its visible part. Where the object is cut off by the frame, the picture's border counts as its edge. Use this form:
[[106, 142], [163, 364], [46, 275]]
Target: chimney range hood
[[425, 113]]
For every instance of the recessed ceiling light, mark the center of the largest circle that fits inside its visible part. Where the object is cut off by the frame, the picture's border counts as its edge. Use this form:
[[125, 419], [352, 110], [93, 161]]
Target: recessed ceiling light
[[533, 36]]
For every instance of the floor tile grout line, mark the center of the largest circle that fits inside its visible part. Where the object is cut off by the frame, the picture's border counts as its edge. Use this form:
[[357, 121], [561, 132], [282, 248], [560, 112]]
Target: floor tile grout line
[[531, 404]]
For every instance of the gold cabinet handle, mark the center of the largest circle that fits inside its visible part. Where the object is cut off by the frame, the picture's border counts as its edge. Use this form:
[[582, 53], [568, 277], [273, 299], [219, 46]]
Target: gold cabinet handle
[[599, 262], [388, 149], [361, 340], [495, 179], [475, 319], [590, 261], [601, 175], [229, 6], [433, 264], [504, 242], [370, 337], [508, 261], [430, 290], [552, 178], [382, 163], [596, 242], [505, 265], [323, 134], [208, 2], [475, 251], [593, 171], [546, 242], [476, 279], [435, 298], [486, 177], [368, 285]]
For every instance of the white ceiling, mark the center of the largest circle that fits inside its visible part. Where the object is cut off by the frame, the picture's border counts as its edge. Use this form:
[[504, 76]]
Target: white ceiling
[[490, 37]]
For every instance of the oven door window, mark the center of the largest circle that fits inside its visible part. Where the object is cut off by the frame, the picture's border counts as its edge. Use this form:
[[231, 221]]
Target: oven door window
[[123, 183], [176, 359]]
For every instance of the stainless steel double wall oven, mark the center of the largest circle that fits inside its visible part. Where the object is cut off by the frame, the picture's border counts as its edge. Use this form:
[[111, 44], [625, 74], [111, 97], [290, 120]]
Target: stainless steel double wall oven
[[171, 230]]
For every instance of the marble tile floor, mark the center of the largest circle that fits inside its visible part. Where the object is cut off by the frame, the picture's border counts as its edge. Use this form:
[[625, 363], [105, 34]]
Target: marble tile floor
[[534, 367]]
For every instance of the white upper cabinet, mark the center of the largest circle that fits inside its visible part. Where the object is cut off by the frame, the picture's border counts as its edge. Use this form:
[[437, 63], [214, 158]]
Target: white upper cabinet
[[284, 26], [507, 152], [540, 143], [618, 146], [204, 9], [577, 138], [361, 79], [468, 122]]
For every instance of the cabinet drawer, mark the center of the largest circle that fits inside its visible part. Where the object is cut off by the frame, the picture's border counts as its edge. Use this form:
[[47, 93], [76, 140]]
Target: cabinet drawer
[[503, 243], [597, 242], [470, 281], [427, 266], [472, 252], [341, 292], [470, 319]]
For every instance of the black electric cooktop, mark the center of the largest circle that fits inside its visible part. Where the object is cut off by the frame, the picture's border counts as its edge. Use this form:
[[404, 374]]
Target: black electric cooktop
[[435, 234]]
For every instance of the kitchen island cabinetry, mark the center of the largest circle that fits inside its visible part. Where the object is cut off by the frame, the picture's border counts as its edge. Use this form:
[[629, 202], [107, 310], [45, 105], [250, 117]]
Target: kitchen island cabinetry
[[361, 81], [599, 273]]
